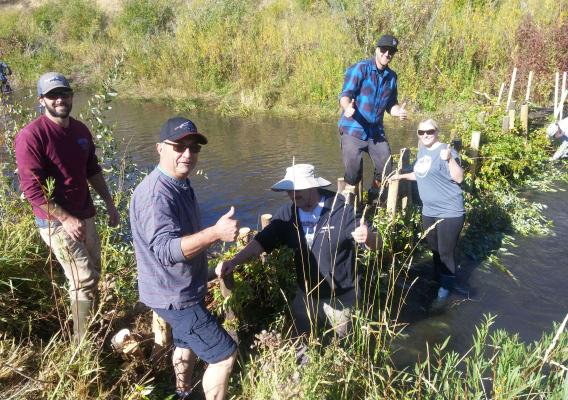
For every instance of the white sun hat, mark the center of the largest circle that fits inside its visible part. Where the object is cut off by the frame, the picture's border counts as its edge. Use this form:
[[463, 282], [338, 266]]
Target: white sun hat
[[300, 177], [552, 129]]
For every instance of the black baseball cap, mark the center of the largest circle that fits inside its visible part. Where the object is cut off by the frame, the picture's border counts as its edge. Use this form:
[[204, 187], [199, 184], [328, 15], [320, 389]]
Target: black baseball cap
[[178, 128], [388, 41]]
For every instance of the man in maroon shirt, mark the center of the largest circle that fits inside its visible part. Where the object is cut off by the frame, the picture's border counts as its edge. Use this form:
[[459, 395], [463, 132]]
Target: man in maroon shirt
[[57, 146]]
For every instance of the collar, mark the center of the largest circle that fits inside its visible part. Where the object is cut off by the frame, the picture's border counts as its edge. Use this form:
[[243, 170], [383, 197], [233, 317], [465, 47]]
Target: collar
[[183, 183]]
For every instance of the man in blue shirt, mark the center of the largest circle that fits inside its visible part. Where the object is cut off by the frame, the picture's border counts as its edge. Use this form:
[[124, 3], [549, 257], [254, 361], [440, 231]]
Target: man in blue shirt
[[170, 245], [369, 89]]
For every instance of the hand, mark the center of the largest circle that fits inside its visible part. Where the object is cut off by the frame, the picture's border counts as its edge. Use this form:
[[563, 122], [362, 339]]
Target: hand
[[361, 233], [75, 228], [226, 227], [446, 153], [350, 109], [224, 268], [113, 215], [402, 113], [394, 177]]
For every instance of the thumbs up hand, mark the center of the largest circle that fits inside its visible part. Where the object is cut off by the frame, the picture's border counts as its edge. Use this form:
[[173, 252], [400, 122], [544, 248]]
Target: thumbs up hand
[[446, 153], [350, 109], [361, 233], [227, 227]]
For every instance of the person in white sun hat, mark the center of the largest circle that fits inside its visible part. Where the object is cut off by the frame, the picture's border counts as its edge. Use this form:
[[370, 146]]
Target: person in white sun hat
[[559, 130], [323, 230]]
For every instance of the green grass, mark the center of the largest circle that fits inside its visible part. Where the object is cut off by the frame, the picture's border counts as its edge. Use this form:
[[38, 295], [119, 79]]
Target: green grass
[[289, 56]]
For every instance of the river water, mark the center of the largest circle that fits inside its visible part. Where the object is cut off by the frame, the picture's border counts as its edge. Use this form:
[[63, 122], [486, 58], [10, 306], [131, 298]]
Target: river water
[[245, 156]]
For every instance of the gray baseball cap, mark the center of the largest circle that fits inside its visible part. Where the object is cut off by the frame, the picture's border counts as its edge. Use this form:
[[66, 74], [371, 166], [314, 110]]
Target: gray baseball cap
[[51, 80]]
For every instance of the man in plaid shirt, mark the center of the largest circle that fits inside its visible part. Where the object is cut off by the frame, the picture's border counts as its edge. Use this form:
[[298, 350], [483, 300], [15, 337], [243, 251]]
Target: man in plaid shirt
[[369, 89]]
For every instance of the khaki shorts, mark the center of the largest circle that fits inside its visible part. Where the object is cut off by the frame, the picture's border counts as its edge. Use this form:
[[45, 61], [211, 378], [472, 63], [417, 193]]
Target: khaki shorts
[[81, 261]]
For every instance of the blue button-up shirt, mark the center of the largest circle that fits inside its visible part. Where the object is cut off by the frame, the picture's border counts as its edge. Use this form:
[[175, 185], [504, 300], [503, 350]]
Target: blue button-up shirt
[[375, 92]]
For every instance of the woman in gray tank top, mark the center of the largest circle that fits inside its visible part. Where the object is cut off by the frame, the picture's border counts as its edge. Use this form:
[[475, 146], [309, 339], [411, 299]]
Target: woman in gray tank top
[[438, 174]]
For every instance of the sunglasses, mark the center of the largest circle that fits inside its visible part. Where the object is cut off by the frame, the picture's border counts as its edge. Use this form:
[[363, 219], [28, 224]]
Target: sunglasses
[[427, 132], [391, 50], [180, 148], [58, 95]]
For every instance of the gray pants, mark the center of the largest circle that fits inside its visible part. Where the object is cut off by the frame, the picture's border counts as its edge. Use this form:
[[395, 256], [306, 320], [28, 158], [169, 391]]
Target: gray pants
[[352, 150]]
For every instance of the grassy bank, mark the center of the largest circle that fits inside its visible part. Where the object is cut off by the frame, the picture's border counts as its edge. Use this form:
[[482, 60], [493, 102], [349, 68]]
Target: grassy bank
[[289, 56]]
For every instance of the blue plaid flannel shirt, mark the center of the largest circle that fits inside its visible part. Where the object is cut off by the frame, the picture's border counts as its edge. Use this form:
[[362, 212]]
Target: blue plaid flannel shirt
[[374, 92]]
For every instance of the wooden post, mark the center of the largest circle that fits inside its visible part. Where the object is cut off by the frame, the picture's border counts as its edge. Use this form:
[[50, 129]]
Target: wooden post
[[561, 105], [340, 185], [511, 88], [512, 119], [265, 220], [244, 236], [505, 124], [556, 85], [501, 93], [525, 119], [475, 140], [407, 185], [392, 197], [527, 97], [162, 336]]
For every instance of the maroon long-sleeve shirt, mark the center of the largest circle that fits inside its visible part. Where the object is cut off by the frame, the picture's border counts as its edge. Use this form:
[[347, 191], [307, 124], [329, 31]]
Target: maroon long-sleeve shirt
[[45, 149]]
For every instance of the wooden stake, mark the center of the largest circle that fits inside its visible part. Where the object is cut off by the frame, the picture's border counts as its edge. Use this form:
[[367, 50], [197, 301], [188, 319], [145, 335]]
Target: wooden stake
[[393, 188], [512, 87], [527, 97], [501, 93], [505, 124], [525, 119], [340, 185], [556, 85], [265, 220], [475, 140], [162, 336], [512, 119], [407, 185], [561, 105], [244, 236]]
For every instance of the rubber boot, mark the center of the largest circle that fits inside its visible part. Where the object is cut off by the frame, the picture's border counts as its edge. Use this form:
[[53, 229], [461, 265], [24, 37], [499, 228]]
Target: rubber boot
[[81, 311]]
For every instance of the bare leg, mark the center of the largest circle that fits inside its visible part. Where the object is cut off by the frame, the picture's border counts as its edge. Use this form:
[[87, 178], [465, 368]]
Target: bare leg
[[184, 361], [216, 378]]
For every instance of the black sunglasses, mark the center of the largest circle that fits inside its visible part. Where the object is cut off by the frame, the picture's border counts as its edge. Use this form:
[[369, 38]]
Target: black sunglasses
[[427, 132], [58, 95], [180, 148], [391, 50]]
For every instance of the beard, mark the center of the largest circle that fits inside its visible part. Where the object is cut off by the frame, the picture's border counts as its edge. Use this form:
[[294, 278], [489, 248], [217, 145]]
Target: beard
[[59, 114]]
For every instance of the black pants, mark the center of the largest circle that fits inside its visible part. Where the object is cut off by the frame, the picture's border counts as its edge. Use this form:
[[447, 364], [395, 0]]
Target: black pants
[[443, 239]]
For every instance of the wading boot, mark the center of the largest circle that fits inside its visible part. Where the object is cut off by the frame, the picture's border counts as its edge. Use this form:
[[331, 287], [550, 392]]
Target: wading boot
[[81, 311]]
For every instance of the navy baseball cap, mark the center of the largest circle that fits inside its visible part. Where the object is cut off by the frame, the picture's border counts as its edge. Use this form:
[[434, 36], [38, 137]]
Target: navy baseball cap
[[178, 128], [388, 41], [51, 80]]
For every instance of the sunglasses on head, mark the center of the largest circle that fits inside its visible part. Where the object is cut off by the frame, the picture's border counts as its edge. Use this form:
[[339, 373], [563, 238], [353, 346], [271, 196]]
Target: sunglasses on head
[[427, 132], [391, 50], [180, 148], [58, 95]]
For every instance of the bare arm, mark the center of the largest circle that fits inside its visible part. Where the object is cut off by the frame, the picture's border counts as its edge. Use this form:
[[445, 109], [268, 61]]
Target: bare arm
[[409, 176], [253, 249], [456, 171]]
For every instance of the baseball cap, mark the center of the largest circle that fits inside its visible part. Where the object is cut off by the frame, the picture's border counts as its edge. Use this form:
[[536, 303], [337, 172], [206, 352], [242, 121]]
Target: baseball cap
[[51, 80], [177, 128], [388, 41]]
